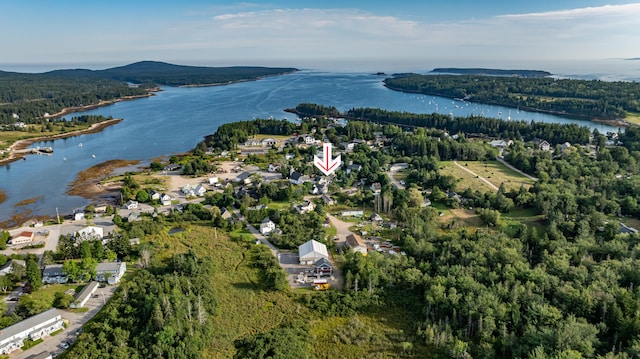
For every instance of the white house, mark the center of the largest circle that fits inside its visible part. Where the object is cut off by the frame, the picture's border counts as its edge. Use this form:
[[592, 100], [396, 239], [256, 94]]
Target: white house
[[78, 216], [309, 140], [213, 180], [165, 199], [131, 204], [199, 190], [155, 195], [7, 268], [273, 168], [297, 178], [90, 232], [353, 168], [267, 226], [310, 252], [354, 242], [34, 328], [289, 156], [85, 294], [110, 272], [52, 274], [305, 207], [328, 200], [244, 177]]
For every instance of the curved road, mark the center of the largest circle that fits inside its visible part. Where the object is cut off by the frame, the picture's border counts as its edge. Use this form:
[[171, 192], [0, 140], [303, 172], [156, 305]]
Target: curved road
[[501, 160]]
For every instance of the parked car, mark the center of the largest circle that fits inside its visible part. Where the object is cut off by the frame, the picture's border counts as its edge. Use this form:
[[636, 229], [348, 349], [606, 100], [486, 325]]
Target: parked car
[[64, 345]]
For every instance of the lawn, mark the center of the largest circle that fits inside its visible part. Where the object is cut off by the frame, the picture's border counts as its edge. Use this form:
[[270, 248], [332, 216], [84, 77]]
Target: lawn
[[633, 117], [261, 136], [494, 171]]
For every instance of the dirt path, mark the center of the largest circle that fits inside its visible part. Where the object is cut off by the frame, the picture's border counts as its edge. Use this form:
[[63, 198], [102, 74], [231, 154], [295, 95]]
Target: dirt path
[[501, 160], [474, 174]]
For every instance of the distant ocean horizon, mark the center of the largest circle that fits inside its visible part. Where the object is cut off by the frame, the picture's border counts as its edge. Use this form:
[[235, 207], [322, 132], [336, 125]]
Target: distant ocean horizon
[[614, 69]]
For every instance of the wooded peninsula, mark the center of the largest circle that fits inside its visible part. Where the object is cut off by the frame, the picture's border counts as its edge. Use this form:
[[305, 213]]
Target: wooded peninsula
[[582, 99]]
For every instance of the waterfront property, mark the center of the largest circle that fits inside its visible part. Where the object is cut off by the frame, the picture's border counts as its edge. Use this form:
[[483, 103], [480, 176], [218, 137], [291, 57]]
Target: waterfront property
[[22, 238], [34, 328]]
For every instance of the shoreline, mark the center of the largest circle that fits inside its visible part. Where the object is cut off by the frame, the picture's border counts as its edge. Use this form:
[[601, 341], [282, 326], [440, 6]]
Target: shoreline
[[236, 81], [621, 123], [23, 144], [70, 110]]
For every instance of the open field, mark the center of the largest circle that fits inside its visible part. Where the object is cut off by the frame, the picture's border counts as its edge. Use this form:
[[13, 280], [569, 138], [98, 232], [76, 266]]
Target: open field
[[493, 171], [247, 308], [275, 137], [633, 117]]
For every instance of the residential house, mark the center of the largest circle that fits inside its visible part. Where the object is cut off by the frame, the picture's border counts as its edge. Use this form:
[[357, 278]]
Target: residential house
[[244, 178], [100, 207], [154, 195], [110, 272], [356, 244], [542, 144], [352, 213], [8, 267], [273, 168], [24, 237], [322, 267], [78, 216], [226, 214], [52, 274], [90, 232], [131, 204], [398, 167], [353, 168], [297, 178], [501, 144], [289, 156], [165, 199], [305, 207], [199, 190], [268, 142], [34, 328], [565, 146], [133, 217], [267, 226], [213, 180], [376, 218], [426, 202], [134, 241], [328, 200], [85, 294], [310, 140], [349, 146], [310, 252]]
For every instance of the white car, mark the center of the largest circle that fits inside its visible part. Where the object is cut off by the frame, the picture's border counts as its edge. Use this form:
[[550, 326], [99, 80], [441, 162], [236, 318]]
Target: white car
[[64, 345]]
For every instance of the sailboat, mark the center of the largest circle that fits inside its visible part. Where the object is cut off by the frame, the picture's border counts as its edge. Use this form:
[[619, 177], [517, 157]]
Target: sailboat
[[509, 116]]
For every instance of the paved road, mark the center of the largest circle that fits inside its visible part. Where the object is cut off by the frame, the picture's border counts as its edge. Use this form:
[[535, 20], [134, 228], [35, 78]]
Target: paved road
[[501, 160], [474, 174], [76, 321]]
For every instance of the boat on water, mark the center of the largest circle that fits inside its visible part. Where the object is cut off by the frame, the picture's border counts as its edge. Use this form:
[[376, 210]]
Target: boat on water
[[80, 144], [93, 156]]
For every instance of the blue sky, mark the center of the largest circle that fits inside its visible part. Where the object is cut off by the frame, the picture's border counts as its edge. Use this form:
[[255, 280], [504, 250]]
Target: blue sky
[[327, 34]]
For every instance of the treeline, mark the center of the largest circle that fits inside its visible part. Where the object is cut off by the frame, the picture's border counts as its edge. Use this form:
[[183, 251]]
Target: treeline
[[229, 135], [162, 312], [581, 98], [30, 96]]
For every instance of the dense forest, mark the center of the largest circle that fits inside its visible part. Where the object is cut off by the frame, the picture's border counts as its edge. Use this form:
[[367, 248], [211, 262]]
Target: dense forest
[[30, 96], [553, 133], [578, 98]]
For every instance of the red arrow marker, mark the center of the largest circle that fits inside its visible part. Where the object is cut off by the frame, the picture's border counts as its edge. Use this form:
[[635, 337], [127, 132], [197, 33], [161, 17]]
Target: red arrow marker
[[326, 164]]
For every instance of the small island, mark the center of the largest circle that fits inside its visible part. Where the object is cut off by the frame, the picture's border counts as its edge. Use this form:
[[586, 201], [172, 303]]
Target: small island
[[490, 72]]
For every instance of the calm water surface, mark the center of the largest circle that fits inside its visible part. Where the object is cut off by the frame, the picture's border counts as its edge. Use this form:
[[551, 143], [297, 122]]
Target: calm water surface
[[176, 119]]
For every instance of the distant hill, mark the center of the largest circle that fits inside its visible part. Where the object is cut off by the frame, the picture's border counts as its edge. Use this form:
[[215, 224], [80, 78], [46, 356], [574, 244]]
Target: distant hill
[[162, 73], [29, 96], [633, 58], [491, 72]]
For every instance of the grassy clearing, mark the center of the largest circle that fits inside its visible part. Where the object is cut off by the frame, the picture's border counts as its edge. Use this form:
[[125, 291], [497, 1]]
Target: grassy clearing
[[633, 117], [246, 308], [261, 136], [494, 171]]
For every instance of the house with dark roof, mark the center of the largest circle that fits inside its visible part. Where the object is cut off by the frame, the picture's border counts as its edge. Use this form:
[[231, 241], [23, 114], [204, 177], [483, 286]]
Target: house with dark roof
[[322, 267], [356, 244], [53, 274], [296, 177]]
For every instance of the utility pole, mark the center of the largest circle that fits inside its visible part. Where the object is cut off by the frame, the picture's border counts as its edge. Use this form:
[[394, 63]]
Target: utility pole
[[57, 215]]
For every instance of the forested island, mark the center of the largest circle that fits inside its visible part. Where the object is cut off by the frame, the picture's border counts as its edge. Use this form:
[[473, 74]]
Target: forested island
[[490, 72], [29, 98], [583, 99]]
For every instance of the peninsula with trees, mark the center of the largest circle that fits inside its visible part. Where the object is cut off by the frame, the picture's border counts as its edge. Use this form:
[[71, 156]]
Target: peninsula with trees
[[595, 100]]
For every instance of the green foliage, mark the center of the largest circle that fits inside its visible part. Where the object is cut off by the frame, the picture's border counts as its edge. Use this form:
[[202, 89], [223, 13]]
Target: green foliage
[[284, 342], [229, 135], [168, 309], [273, 276], [4, 237], [34, 276], [585, 98], [62, 300]]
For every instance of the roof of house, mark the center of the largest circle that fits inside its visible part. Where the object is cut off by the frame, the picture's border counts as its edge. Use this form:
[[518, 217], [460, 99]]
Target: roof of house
[[52, 270], [109, 267], [28, 323], [266, 220], [313, 248], [26, 234], [87, 290], [295, 175], [322, 262], [354, 240], [243, 176]]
